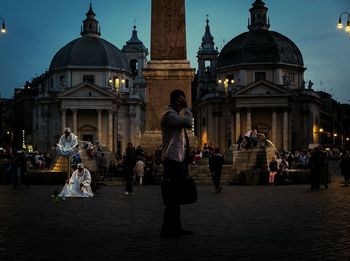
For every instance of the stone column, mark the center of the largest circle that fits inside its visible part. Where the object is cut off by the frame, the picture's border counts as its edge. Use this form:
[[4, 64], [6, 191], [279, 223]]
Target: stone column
[[110, 130], [63, 119], [238, 125], [217, 131], [285, 130], [233, 140], [75, 124], [274, 127], [132, 116], [249, 120], [99, 125], [116, 129]]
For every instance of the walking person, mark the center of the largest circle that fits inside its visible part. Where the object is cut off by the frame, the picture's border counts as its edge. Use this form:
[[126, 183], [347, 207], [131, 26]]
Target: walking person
[[139, 169], [215, 164], [273, 170], [16, 170], [316, 162], [345, 167], [102, 165], [129, 164], [175, 154]]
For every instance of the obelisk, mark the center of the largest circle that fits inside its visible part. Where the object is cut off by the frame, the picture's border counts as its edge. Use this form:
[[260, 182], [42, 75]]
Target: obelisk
[[168, 68]]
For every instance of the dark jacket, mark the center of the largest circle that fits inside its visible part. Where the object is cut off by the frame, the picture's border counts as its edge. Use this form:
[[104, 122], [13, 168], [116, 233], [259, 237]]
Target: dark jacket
[[345, 166], [273, 166], [216, 161], [130, 160]]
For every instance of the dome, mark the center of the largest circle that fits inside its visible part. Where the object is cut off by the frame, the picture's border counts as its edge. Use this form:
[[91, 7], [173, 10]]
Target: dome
[[260, 46], [89, 51]]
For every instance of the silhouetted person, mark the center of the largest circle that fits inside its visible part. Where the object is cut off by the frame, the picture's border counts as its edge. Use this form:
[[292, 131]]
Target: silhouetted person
[[215, 164], [316, 162], [129, 164], [175, 154], [345, 167]]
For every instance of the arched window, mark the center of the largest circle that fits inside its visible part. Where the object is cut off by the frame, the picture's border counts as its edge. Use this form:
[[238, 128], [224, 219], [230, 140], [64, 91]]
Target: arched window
[[134, 65]]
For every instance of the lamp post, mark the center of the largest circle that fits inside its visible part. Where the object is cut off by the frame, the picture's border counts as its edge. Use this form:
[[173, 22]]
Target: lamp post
[[320, 136], [116, 86], [335, 135], [340, 24], [227, 83], [3, 28]]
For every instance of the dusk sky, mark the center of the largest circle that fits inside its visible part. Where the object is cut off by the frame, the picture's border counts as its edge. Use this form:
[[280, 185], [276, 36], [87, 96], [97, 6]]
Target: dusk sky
[[37, 29]]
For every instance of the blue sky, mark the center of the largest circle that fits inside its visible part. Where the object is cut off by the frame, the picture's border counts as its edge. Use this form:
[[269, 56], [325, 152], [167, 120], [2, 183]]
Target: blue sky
[[37, 29]]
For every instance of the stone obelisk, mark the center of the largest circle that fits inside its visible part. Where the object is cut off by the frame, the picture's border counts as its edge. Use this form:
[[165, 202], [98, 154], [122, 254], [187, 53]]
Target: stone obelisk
[[168, 68]]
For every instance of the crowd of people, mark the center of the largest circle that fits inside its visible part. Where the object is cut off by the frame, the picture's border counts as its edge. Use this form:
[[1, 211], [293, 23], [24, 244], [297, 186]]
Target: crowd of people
[[175, 155]]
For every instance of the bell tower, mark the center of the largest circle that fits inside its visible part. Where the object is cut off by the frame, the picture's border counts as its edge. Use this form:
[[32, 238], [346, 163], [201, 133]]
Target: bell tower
[[90, 24], [258, 16]]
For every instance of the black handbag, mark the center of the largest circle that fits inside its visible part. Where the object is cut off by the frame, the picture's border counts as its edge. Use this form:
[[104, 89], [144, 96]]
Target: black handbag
[[189, 193]]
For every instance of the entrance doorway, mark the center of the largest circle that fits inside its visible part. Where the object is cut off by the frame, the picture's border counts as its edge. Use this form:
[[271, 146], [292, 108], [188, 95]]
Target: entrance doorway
[[88, 138]]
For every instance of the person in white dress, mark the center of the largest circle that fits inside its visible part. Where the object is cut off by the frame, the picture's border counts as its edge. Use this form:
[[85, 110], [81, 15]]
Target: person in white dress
[[139, 169], [79, 184], [68, 144]]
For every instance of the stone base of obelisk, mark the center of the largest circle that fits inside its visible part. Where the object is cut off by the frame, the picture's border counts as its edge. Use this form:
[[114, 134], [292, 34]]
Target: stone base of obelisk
[[164, 76]]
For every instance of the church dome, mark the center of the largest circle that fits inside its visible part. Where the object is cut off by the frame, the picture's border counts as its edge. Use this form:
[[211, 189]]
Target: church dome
[[89, 51], [260, 46]]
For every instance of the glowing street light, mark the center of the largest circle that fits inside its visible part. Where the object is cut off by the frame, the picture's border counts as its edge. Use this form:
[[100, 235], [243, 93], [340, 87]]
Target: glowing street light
[[340, 24], [3, 28], [226, 83]]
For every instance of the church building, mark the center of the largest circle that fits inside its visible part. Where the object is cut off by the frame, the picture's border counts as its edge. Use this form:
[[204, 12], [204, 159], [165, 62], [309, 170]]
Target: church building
[[94, 88], [255, 81]]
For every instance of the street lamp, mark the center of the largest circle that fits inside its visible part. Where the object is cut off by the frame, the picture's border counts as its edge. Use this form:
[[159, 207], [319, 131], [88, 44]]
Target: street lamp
[[226, 83], [340, 24], [3, 28]]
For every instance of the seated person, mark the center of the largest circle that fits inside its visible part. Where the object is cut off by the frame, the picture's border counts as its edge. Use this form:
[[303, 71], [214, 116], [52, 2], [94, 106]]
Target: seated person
[[252, 138], [68, 144], [197, 156], [90, 150], [248, 139], [79, 184]]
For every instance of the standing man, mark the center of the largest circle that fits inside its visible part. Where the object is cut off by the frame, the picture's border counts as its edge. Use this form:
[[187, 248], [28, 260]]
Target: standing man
[[215, 164], [129, 164], [316, 162], [175, 155]]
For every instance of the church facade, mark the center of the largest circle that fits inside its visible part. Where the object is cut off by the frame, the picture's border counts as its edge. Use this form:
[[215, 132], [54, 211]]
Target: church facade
[[256, 81], [92, 87]]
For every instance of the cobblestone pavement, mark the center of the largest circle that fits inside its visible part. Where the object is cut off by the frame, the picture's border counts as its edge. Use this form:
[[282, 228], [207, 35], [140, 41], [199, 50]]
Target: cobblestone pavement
[[241, 223]]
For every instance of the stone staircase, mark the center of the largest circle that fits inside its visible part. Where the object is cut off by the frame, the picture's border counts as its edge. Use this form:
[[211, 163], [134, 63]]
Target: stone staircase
[[61, 164], [201, 174]]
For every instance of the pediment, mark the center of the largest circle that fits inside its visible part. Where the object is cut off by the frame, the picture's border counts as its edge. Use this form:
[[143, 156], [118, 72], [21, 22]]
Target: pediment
[[85, 90], [263, 88]]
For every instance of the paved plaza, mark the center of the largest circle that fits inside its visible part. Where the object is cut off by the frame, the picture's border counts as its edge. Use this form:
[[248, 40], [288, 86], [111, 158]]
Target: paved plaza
[[288, 222]]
